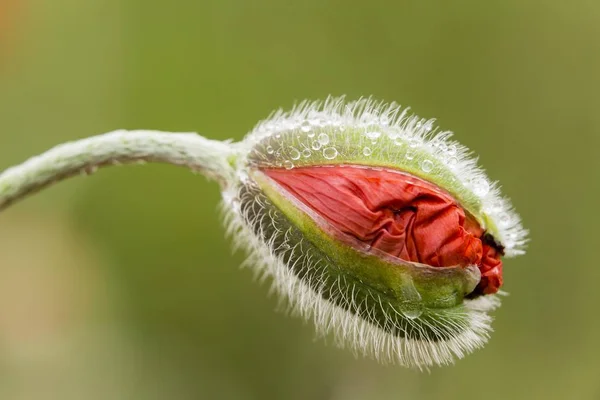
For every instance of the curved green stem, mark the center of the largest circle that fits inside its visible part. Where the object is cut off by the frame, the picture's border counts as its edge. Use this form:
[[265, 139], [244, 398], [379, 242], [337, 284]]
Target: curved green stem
[[208, 157]]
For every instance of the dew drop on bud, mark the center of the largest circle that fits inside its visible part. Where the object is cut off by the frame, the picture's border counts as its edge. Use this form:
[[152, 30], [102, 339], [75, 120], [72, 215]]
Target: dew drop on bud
[[305, 126], [412, 313], [323, 138], [294, 153], [330, 153], [426, 165], [367, 151], [373, 135], [316, 122]]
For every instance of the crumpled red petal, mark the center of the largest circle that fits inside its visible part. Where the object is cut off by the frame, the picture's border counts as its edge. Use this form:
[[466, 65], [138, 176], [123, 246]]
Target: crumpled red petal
[[397, 213]]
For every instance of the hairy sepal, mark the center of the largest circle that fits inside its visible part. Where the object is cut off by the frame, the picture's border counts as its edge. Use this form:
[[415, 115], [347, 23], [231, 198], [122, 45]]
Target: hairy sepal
[[368, 309], [399, 312]]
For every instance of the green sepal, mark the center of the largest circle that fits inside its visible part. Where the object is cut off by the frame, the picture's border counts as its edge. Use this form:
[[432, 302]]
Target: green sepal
[[411, 300]]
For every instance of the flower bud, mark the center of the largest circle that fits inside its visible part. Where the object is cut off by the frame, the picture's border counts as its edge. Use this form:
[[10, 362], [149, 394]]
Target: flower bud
[[375, 225]]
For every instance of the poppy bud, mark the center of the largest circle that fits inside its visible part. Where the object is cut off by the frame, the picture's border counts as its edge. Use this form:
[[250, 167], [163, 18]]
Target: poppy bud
[[375, 225]]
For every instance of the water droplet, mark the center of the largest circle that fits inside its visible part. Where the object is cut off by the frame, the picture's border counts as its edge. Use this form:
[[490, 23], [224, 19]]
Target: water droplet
[[270, 149], [316, 122], [311, 135], [409, 292], [288, 164], [306, 153], [305, 126], [373, 135], [452, 150], [481, 187], [504, 219], [428, 126], [323, 139], [278, 136], [316, 145], [443, 147], [414, 142], [409, 154], [366, 118], [367, 151], [452, 162], [330, 153], [384, 120], [412, 313], [294, 153], [426, 165]]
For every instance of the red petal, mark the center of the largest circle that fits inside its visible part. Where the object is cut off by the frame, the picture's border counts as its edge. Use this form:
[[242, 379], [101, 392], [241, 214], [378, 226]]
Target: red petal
[[397, 213]]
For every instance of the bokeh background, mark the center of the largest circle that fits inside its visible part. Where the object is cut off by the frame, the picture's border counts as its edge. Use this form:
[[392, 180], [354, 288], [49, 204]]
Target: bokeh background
[[122, 286]]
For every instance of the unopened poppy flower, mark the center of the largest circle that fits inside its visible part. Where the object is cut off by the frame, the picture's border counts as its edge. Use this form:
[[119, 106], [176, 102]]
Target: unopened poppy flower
[[377, 226], [370, 221]]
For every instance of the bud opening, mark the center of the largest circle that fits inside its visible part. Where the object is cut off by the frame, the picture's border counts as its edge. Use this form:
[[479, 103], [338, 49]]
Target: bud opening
[[396, 213], [375, 225]]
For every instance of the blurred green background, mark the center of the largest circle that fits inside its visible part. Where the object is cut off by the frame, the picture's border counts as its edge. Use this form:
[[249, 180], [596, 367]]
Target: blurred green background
[[122, 286]]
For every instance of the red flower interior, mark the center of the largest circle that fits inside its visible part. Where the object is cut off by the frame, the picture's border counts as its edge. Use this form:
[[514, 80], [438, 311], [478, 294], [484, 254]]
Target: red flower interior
[[397, 213]]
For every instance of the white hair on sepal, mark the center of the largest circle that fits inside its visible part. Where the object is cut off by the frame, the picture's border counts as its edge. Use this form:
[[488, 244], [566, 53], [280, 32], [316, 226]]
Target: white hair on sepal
[[365, 129], [305, 296]]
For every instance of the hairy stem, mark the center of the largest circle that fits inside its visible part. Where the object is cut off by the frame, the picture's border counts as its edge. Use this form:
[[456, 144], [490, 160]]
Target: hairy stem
[[208, 157]]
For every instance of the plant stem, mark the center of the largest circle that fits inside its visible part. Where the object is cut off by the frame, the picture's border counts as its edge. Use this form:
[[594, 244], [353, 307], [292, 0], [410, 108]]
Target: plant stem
[[208, 157]]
